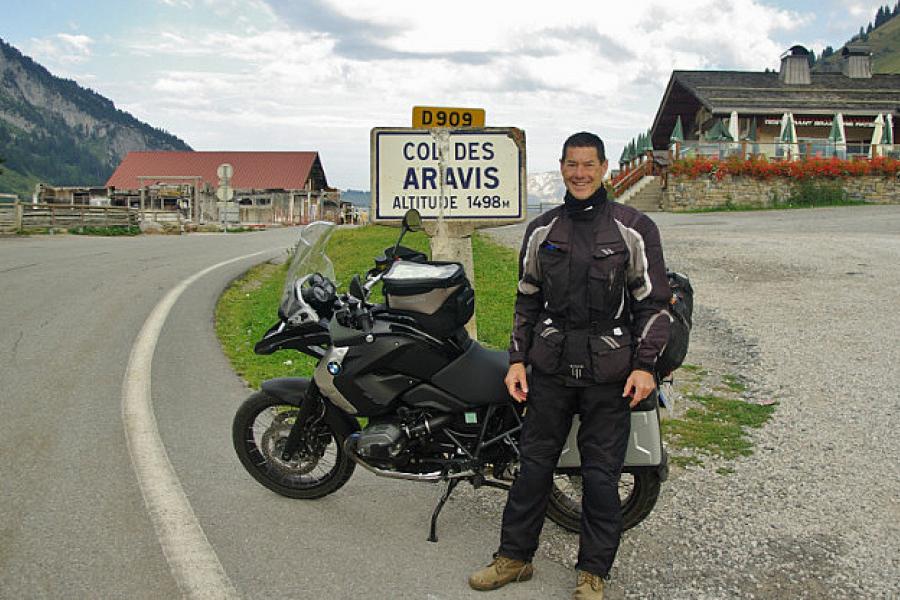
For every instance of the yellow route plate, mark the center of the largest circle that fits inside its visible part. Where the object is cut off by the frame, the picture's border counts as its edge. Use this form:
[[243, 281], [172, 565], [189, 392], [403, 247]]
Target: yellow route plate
[[428, 117]]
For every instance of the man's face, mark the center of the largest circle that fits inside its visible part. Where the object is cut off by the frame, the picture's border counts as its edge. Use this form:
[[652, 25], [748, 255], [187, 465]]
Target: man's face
[[582, 171]]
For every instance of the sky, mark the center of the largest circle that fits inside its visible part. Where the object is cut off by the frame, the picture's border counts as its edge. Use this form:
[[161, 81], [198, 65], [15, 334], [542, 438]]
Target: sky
[[320, 74]]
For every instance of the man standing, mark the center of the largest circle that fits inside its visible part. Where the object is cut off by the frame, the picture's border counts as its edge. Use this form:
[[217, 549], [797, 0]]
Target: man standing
[[591, 320]]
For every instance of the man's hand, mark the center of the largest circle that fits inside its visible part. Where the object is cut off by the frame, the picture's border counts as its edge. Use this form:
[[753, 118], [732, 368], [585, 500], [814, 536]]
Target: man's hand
[[517, 382], [639, 385]]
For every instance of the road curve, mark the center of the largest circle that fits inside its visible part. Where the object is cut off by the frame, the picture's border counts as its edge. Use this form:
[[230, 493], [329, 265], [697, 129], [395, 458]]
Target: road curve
[[73, 521]]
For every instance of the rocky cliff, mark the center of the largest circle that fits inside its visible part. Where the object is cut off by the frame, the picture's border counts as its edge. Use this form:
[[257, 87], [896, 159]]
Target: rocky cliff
[[54, 131]]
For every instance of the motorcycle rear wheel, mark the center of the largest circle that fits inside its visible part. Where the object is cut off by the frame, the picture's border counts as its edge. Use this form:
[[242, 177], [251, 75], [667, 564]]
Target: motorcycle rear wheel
[[259, 432], [638, 492]]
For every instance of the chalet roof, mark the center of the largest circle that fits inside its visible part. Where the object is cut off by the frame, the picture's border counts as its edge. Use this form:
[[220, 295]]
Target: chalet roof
[[758, 93], [252, 170], [753, 92]]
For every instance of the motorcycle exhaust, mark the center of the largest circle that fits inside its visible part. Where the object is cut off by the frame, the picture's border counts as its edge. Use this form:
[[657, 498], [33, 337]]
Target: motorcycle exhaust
[[434, 476]]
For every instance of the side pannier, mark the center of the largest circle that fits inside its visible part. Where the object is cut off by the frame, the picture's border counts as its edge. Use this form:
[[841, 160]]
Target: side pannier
[[436, 294]]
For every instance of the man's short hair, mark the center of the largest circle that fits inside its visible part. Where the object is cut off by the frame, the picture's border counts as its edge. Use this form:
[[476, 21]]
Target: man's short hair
[[584, 139]]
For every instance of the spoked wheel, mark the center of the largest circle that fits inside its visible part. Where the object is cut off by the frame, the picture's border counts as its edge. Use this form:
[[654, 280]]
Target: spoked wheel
[[259, 433], [638, 492]]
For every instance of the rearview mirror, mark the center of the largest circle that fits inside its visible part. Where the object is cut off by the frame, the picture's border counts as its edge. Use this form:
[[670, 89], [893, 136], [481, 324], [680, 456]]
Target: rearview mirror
[[412, 220]]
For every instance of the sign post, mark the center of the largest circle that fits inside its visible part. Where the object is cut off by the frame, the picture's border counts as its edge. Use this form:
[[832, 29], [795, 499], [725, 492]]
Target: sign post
[[225, 194], [458, 179]]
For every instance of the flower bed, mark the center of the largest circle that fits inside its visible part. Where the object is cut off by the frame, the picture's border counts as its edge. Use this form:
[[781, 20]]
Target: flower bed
[[761, 168]]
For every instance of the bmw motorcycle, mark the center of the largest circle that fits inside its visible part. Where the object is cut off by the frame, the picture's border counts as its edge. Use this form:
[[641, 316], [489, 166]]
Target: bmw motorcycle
[[402, 391]]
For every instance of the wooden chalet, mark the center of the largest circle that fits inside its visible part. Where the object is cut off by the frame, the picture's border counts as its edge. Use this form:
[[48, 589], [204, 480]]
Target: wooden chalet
[[705, 102]]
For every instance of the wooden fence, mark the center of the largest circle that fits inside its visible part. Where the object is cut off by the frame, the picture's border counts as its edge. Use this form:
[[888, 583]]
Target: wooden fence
[[25, 217], [162, 216], [10, 217]]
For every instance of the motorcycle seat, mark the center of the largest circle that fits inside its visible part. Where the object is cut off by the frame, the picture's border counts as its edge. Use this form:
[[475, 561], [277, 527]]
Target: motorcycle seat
[[476, 377]]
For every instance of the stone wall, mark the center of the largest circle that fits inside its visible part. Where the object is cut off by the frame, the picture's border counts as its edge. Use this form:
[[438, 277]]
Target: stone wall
[[686, 193]]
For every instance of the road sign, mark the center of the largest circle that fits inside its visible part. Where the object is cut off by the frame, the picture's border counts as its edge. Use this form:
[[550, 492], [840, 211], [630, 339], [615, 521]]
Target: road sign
[[426, 117], [463, 174], [225, 171], [225, 193]]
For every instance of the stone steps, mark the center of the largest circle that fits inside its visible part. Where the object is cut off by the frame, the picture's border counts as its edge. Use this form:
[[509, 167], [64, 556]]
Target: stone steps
[[646, 195]]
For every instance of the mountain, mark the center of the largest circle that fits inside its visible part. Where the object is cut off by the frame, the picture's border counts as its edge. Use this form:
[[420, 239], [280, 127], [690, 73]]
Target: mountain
[[546, 188], [884, 42], [357, 198], [52, 130]]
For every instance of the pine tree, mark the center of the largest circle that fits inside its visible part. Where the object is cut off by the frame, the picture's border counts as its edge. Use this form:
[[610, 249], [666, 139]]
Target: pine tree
[[828, 51], [879, 16], [869, 28]]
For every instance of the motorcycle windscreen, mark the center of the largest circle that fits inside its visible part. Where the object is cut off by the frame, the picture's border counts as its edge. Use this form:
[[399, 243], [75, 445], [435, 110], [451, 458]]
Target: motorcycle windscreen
[[309, 257]]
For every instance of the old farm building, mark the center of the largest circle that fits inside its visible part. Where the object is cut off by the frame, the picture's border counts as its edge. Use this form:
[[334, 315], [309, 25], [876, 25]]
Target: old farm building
[[267, 187]]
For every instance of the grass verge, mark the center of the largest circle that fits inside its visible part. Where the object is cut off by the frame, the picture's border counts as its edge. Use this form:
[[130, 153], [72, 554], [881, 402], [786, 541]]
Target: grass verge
[[717, 424], [112, 230]]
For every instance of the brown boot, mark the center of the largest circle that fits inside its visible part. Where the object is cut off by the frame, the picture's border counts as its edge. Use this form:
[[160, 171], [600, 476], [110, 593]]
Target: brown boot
[[500, 572], [589, 587]]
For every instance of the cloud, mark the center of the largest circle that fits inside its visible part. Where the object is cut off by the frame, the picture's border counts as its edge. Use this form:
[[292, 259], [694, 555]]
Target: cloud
[[61, 49], [318, 74]]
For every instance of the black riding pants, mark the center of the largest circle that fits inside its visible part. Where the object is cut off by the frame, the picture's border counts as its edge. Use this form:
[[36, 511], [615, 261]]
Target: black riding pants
[[602, 442]]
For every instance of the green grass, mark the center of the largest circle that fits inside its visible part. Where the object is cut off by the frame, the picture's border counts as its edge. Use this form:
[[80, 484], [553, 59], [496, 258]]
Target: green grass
[[734, 383], [694, 369], [717, 426], [112, 230], [496, 276]]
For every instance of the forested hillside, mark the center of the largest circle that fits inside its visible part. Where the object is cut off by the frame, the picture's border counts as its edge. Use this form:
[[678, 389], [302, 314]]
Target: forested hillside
[[53, 130], [882, 35]]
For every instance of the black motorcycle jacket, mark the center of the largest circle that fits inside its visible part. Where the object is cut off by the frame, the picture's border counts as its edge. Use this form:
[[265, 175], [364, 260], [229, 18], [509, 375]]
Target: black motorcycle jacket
[[592, 298]]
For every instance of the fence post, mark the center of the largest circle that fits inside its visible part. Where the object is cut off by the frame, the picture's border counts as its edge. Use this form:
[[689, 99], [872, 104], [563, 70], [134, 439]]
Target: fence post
[[17, 217]]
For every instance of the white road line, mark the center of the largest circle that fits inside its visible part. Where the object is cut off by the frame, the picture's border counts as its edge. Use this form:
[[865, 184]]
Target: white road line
[[191, 558]]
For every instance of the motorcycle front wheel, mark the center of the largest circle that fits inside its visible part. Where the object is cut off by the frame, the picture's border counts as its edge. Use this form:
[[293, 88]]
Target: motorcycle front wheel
[[259, 433], [638, 492]]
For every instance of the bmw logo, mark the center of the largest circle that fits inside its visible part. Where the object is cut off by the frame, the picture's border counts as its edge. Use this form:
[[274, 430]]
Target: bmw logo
[[334, 368]]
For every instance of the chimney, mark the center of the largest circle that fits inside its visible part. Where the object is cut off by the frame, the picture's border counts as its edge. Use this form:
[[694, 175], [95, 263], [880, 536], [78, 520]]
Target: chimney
[[795, 66], [856, 61]]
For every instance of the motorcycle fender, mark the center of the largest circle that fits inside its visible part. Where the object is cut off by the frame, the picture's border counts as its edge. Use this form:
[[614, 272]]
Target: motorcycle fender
[[645, 447], [292, 390]]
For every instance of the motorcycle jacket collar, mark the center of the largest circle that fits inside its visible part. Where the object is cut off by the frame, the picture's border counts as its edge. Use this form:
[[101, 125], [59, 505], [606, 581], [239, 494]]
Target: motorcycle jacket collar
[[574, 206]]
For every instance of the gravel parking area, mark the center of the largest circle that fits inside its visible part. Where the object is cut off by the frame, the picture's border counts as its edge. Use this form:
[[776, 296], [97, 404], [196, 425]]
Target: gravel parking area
[[803, 304]]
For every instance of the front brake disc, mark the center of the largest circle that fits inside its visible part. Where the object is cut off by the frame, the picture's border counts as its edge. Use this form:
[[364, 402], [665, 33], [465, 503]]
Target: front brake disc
[[273, 441]]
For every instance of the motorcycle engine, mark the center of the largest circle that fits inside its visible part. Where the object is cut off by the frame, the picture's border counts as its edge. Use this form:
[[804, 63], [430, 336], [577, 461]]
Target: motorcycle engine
[[381, 441]]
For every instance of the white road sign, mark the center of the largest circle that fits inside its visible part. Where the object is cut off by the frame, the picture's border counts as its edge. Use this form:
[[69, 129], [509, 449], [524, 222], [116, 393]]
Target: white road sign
[[225, 171], [464, 174], [225, 193]]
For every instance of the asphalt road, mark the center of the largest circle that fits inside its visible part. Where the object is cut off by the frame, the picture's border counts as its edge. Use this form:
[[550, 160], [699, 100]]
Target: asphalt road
[[72, 519], [73, 523]]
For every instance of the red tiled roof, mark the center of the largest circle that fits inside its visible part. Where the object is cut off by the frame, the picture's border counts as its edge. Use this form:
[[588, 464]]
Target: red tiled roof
[[252, 170]]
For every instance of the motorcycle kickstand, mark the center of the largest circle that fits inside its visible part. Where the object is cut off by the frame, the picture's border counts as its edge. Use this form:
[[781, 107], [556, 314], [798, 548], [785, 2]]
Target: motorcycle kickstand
[[451, 485]]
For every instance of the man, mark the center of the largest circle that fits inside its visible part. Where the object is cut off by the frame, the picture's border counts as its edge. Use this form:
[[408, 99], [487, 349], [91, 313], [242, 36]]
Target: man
[[590, 319]]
